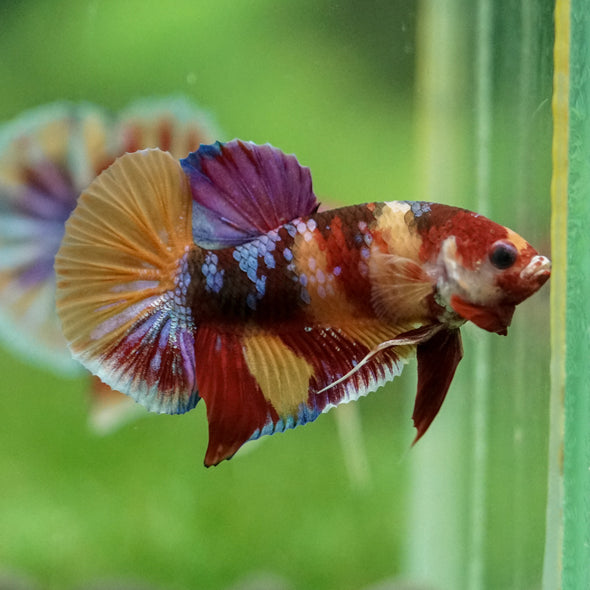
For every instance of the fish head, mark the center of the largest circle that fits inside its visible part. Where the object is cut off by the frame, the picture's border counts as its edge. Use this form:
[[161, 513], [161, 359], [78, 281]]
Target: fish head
[[484, 274]]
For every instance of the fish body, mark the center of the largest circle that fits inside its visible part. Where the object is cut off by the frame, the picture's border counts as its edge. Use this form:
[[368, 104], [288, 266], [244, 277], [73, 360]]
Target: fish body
[[217, 277], [312, 268]]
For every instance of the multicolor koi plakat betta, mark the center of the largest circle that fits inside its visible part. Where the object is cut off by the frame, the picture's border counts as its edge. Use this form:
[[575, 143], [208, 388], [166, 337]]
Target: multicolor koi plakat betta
[[216, 277]]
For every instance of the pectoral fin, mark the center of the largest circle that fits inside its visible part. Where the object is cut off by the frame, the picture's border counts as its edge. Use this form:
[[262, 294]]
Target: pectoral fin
[[400, 286]]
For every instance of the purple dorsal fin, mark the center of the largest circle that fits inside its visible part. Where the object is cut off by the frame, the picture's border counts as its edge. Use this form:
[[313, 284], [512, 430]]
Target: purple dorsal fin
[[242, 190]]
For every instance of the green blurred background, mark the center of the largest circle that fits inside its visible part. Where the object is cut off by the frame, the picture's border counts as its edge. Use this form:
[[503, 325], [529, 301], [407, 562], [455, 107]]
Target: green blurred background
[[379, 99]]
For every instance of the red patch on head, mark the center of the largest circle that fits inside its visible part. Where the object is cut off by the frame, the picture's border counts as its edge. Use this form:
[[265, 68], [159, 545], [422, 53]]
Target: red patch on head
[[473, 233]]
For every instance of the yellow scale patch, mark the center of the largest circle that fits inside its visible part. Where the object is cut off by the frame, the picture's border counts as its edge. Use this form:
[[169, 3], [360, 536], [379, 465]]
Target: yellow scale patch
[[395, 233], [399, 283]]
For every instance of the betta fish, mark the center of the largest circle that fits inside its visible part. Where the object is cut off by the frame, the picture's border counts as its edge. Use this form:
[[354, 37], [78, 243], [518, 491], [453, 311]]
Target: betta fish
[[217, 277]]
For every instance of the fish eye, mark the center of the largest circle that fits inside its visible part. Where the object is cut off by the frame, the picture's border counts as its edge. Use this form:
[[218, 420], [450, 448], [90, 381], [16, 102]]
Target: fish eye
[[503, 254]]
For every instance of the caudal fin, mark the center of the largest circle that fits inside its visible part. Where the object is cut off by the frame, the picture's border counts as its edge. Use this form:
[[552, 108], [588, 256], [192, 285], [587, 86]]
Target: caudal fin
[[122, 280]]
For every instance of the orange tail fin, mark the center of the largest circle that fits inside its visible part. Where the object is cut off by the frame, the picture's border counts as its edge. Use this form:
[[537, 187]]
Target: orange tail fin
[[122, 280]]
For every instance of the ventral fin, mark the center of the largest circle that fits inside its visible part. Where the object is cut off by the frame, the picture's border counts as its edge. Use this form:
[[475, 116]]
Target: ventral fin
[[438, 358], [261, 382], [493, 319], [122, 278], [242, 190]]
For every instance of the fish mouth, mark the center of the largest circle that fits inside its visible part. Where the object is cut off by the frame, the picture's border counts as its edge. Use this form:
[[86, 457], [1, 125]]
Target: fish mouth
[[497, 318], [538, 269]]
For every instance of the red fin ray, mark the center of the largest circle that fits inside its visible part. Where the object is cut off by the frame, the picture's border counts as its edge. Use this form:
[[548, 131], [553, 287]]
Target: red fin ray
[[407, 339], [261, 382], [333, 354], [153, 361]]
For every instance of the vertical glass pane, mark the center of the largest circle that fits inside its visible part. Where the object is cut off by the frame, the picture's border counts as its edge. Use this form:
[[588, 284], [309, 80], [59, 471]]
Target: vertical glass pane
[[484, 104]]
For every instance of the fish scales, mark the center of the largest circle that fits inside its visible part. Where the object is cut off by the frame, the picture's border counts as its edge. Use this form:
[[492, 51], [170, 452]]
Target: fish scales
[[308, 268]]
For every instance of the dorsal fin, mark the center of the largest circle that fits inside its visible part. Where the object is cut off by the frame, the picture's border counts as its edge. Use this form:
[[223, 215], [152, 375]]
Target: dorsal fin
[[242, 190]]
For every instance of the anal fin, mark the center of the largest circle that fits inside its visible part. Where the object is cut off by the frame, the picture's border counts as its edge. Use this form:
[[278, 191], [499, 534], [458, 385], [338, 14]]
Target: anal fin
[[236, 407], [258, 382]]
